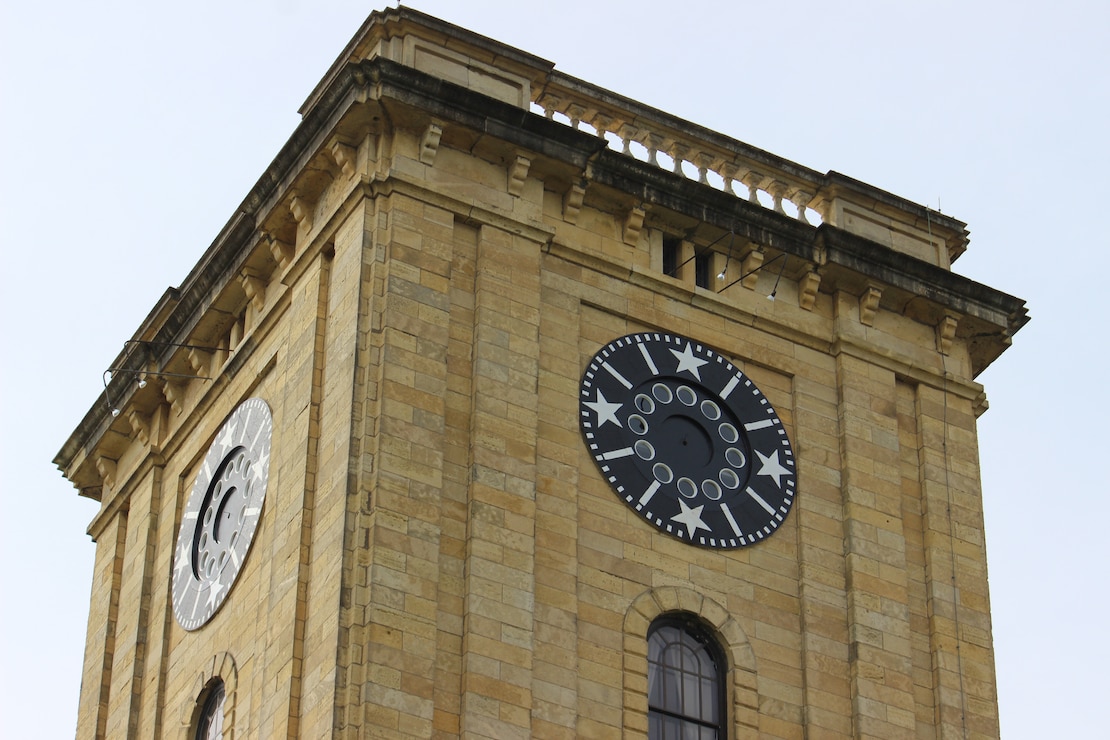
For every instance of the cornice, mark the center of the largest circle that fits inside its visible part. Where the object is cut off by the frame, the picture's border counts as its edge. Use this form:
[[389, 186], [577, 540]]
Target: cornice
[[839, 255]]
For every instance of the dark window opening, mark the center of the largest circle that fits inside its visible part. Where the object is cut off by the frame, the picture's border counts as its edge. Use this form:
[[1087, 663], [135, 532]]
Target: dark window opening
[[211, 724], [701, 268], [671, 249], [686, 693]]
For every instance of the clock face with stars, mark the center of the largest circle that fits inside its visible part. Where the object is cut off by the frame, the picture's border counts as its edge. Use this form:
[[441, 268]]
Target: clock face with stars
[[686, 440], [222, 514]]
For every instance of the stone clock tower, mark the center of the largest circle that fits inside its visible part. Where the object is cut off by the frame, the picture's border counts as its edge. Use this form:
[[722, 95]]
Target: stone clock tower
[[476, 420]]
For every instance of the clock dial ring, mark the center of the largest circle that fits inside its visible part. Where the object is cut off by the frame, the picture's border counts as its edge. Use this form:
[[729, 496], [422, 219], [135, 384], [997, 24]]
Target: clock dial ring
[[222, 514], [686, 440]]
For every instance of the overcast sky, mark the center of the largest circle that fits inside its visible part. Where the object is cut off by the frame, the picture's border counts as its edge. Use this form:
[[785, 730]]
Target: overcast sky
[[132, 130]]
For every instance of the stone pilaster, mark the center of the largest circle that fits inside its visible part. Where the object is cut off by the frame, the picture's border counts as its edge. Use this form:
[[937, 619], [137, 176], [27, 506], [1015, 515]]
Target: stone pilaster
[[497, 658], [875, 552]]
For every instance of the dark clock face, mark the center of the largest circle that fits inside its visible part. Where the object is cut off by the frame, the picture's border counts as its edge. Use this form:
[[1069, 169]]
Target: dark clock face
[[222, 514], [687, 440]]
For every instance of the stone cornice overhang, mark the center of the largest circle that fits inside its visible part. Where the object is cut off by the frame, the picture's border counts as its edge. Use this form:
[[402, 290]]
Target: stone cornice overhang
[[845, 260], [392, 85], [989, 317], [179, 309]]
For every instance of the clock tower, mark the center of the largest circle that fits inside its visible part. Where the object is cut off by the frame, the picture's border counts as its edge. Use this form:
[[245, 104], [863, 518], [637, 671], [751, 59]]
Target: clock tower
[[505, 406]]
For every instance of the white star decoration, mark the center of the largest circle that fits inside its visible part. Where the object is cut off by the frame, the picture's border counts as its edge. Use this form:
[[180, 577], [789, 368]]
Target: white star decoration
[[771, 467], [182, 558], [606, 411], [214, 592], [687, 361], [691, 518], [224, 440]]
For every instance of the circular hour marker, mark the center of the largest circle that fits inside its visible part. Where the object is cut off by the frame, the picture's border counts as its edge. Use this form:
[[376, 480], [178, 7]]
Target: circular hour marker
[[662, 393], [728, 433], [687, 487], [662, 472], [644, 449], [637, 424], [735, 457], [645, 403], [686, 394], [711, 489], [710, 410], [729, 478]]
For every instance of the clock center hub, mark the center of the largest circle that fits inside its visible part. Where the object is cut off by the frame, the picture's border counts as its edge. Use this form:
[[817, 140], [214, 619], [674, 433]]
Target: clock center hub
[[693, 448]]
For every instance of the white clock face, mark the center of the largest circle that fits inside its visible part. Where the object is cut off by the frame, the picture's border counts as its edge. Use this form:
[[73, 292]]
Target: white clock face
[[222, 514]]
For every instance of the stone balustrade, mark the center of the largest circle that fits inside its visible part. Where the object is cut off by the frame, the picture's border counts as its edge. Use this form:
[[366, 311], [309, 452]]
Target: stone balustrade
[[699, 154], [750, 173]]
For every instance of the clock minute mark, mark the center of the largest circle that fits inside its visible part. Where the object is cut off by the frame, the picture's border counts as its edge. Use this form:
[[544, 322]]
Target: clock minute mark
[[647, 358], [754, 425], [620, 378], [616, 454], [731, 520], [732, 383], [649, 493], [760, 500]]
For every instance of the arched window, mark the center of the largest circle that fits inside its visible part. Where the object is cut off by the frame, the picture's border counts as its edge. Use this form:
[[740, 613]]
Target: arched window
[[210, 724], [686, 699]]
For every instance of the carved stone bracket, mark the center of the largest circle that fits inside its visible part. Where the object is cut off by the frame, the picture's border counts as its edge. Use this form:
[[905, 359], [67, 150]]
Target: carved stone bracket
[[301, 208], [572, 202], [199, 360], [750, 267], [174, 393], [281, 251], [254, 285], [107, 469], [869, 304], [946, 332], [345, 156], [807, 289], [140, 425], [518, 173], [632, 225], [429, 143], [980, 405]]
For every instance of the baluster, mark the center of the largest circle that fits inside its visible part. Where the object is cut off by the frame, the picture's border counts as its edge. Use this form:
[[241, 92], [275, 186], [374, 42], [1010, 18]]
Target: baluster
[[703, 162], [800, 199], [678, 151], [727, 171], [776, 188], [575, 113], [752, 180], [603, 123], [628, 135], [653, 142]]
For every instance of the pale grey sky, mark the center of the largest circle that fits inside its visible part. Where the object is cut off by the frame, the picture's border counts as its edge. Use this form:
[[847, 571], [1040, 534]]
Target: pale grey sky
[[132, 130]]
